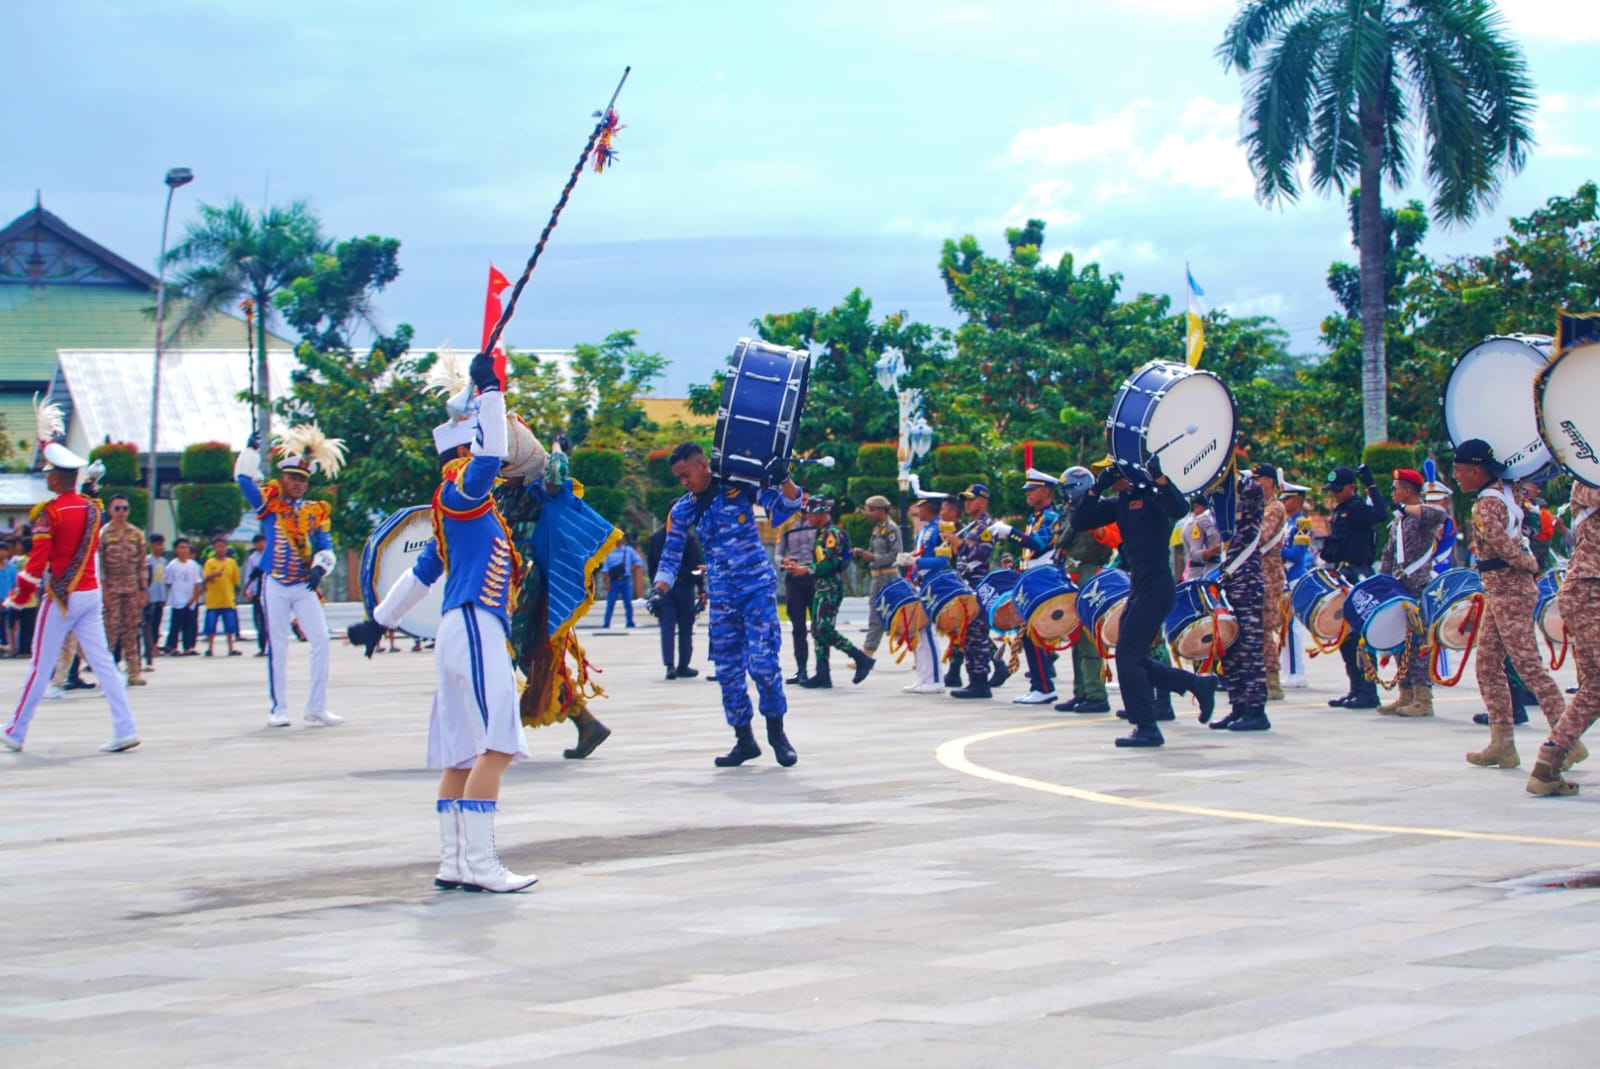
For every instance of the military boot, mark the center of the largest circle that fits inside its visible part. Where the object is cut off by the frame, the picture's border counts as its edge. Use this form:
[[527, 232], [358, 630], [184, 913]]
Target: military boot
[[591, 733], [1421, 703], [744, 748], [952, 674], [864, 663], [1545, 779], [1578, 752], [821, 679], [1401, 700], [782, 749], [1501, 751]]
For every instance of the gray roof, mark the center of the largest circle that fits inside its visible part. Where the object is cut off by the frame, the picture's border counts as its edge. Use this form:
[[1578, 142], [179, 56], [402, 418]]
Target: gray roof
[[22, 491]]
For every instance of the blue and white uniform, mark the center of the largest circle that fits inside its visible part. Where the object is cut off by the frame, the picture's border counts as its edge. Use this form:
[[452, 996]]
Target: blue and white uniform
[[741, 586], [926, 559]]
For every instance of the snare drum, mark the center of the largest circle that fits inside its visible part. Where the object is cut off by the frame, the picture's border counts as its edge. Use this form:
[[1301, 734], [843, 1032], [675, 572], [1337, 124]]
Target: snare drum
[[1317, 599], [1378, 609], [1201, 625], [1046, 600], [1547, 610], [762, 396], [391, 550], [949, 602], [1100, 602], [1184, 414], [1564, 402], [997, 601], [1447, 605], [900, 609], [1489, 395]]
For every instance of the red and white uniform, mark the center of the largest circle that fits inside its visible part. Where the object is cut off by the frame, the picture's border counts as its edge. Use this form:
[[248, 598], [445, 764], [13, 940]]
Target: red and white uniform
[[61, 568]]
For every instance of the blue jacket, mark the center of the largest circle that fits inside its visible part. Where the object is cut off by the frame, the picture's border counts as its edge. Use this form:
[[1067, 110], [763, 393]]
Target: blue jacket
[[478, 560], [285, 562], [725, 523]]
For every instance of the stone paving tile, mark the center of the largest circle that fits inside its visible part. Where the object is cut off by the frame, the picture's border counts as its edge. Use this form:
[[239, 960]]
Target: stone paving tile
[[237, 897]]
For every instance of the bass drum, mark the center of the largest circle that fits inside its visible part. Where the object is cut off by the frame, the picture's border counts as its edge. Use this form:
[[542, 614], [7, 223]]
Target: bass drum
[[1490, 395], [390, 551], [1184, 414], [1569, 418], [761, 401]]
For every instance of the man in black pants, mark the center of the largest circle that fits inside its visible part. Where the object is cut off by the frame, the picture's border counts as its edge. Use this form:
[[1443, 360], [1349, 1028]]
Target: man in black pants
[[798, 544], [675, 610], [1348, 550], [1145, 515]]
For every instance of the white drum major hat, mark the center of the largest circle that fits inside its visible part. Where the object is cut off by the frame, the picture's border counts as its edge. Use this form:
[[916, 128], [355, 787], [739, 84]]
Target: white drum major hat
[[49, 423], [305, 449]]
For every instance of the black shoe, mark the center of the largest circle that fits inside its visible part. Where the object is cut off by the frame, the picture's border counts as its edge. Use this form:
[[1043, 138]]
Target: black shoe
[[1068, 706], [1165, 714], [1001, 673], [1091, 705], [781, 748], [1228, 721], [973, 690], [1340, 703], [672, 674], [952, 674], [590, 736], [687, 673], [744, 748], [798, 678], [77, 684], [1364, 701], [863, 665], [1205, 692], [1251, 718], [1518, 716], [821, 679], [1144, 736]]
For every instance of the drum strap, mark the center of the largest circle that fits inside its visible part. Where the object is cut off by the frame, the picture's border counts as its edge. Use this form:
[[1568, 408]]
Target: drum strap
[[1400, 549], [1248, 552], [1584, 515], [1513, 510], [1272, 543]]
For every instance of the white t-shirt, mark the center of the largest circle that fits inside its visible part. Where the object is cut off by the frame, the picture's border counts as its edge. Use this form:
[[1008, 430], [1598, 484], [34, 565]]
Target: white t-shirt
[[182, 577]]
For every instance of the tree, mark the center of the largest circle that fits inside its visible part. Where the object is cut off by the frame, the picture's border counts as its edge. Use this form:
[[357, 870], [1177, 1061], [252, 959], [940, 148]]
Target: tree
[[606, 383], [1341, 83], [330, 302], [230, 253]]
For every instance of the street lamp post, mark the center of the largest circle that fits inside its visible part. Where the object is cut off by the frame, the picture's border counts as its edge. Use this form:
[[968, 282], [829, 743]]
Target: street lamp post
[[916, 434], [177, 176]]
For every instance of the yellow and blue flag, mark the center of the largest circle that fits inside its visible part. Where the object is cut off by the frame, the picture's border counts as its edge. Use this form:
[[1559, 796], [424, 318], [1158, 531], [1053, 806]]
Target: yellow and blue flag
[[1195, 337]]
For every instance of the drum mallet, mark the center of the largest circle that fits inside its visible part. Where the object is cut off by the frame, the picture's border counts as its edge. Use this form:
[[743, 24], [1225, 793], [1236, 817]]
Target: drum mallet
[[1192, 428]]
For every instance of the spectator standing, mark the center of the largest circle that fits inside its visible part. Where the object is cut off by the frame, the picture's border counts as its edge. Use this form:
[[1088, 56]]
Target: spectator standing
[[155, 597], [252, 590], [620, 565], [220, 578], [122, 584], [8, 579], [676, 608], [183, 593]]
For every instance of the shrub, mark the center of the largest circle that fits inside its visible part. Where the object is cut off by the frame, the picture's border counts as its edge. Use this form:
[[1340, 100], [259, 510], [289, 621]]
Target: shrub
[[138, 502], [207, 462], [956, 459], [608, 501], [1384, 457], [859, 527], [122, 463], [1052, 458], [659, 500], [878, 459], [860, 487], [657, 468], [954, 484], [598, 467], [204, 507]]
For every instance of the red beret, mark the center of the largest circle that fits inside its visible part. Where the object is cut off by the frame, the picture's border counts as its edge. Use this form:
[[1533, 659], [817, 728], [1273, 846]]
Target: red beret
[[1408, 475]]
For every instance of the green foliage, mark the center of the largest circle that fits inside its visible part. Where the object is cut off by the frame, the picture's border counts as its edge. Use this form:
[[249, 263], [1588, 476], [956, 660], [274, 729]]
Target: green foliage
[[207, 462], [607, 381], [138, 502], [860, 487], [959, 481], [658, 470], [954, 459], [205, 507], [858, 525], [1384, 457], [660, 499], [598, 467], [327, 303], [879, 459], [1052, 458], [608, 501], [122, 463]]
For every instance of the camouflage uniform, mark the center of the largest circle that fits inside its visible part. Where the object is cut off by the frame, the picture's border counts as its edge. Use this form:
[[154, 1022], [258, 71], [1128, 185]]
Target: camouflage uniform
[[1243, 664], [1082, 554], [742, 589], [122, 571], [1412, 565], [827, 565], [1579, 601], [1274, 531], [884, 547], [1037, 538], [972, 564], [1508, 572]]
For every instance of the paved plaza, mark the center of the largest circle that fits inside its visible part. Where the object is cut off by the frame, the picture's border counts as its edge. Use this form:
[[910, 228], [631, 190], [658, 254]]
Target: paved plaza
[[937, 883]]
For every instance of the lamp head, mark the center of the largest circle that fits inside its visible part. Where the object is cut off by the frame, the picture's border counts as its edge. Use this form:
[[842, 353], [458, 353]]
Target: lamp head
[[179, 176]]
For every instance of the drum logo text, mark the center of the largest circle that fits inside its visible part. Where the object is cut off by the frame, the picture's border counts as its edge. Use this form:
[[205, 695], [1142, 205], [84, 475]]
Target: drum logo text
[[416, 547], [1585, 451], [1207, 451]]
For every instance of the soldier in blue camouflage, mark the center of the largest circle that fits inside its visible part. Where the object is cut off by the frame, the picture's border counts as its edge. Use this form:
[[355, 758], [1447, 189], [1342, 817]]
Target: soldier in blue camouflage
[[973, 546], [1037, 541], [1244, 664], [742, 589], [827, 566]]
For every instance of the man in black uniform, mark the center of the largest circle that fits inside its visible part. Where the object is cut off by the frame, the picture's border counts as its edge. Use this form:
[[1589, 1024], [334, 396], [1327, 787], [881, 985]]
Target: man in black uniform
[[798, 544], [1145, 515], [1348, 550], [675, 610]]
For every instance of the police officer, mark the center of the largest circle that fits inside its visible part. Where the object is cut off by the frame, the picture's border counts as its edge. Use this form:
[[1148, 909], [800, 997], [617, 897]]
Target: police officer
[[1145, 514], [1348, 550], [799, 588]]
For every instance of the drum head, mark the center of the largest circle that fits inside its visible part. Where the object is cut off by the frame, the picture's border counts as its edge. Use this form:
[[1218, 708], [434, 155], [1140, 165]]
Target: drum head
[[1450, 630], [1569, 419], [1055, 618], [1387, 629], [956, 614], [1193, 461], [393, 548], [1111, 624], [1484, 398], [1328, 619], [1006, 617], [1550, 622]]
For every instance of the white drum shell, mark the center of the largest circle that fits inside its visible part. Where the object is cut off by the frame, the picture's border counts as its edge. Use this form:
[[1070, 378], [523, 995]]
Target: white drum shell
[[1490, 395], [397, 554], [1569, 412]]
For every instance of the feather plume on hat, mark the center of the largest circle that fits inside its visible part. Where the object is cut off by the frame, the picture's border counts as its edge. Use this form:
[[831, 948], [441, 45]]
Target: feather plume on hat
[[306, 448], [49, 424], [448, 376]]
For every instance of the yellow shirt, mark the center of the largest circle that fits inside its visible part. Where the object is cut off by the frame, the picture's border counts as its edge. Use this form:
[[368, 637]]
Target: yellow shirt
[[222, 582]]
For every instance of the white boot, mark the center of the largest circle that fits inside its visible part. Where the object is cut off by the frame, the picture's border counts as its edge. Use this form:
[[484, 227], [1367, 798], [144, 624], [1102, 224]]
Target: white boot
[[324, 719], [450, 845], [483, 870]]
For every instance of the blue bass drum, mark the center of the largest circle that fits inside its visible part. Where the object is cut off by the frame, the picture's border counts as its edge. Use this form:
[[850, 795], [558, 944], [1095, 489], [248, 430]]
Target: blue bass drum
[[949, 602], [1047, 604], [1317, 599], [1184, 414], [997, 601], [1379, 610], [1201, 625], [1547, 611], [1101, 599], [900, 609], [391, 550], [762, 396], [1448, 602]]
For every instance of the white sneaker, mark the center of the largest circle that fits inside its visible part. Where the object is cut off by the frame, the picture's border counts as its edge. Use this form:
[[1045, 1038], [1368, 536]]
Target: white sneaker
[[277, 720], [924, 688], [117, 745], [1033, 697], [324, 719], [53, 692], [9, 743]]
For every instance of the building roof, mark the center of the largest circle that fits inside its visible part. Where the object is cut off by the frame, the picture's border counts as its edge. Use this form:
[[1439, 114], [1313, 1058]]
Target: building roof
[[22, 491], [110, 396]]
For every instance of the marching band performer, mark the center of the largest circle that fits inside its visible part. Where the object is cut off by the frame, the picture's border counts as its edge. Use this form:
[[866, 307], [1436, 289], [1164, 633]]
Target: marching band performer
[[973, 548], [1083, 553], [1348, 550], [298, 554], [474, 731], [1579, 601], [949, 524], [827, 567], [1508, 571], [61, 569], [1145, 515], [1408, 555], [929, 554], [1037, 541], [1298, 558], [745, 638], [1243, 665], [1274, 530]]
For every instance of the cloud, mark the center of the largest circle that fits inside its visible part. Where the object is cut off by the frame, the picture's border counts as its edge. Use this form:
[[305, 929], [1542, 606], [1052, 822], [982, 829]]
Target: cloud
[[1045, 200], [1565, 21]]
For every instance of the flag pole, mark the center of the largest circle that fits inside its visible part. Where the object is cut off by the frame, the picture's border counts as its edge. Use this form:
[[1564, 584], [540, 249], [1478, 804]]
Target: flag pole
[[608, 119]]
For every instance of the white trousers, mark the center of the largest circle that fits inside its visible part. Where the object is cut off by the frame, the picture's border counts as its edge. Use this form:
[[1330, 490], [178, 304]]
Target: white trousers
[[475, 705], [280, 601], [927, 657], [83, 620], [1292, 658]]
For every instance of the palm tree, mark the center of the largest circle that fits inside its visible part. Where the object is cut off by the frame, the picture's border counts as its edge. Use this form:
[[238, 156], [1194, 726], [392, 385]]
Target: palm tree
[[229, 254], [1344, 85]]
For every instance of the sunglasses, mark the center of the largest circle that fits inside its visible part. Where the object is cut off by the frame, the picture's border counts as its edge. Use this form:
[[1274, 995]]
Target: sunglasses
[[119, 508]]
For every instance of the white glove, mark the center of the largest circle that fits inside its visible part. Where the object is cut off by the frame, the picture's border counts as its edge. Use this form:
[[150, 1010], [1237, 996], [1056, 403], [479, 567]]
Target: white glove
[[405, 594], [248, 464], [491, 425], [904, 560], [999, 530], [323, 559]]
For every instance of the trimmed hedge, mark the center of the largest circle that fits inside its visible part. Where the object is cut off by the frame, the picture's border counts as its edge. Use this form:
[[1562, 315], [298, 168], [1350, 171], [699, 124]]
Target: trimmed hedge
[[122, 463], [1383, 458], [660, 499], [204, 507], [858, 525], [878, 459], [1052, 458], [861, 487], [138, 502], [598, 468], [657, 468], [608, 501], [207, 462], [956, 459], [954, 484]]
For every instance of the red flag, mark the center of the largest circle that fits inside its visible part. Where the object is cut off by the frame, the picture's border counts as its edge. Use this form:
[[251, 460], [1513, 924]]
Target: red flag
[[492, 309], [1027, 455]]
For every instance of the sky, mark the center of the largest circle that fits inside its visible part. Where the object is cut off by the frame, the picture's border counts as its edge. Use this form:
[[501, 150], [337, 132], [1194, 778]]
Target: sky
[[776, 155]]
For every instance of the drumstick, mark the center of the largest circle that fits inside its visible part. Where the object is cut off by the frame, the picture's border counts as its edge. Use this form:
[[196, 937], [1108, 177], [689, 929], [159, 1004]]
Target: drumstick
[[1190, 429], [826, 462]]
